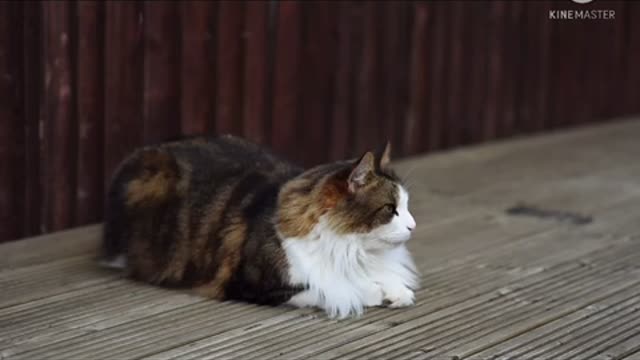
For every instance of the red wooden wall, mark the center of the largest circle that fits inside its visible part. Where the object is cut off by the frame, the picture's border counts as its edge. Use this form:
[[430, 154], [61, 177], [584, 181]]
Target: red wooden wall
[[83, 83]]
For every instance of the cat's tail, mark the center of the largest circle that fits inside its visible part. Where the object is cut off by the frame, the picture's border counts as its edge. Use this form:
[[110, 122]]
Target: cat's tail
[[143, 181]]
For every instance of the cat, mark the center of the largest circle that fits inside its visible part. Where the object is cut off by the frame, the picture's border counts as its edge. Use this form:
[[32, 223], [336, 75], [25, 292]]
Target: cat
[[230, 220]]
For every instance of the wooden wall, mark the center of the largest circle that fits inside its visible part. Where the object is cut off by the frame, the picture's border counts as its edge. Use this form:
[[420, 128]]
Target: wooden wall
[[83, 83]]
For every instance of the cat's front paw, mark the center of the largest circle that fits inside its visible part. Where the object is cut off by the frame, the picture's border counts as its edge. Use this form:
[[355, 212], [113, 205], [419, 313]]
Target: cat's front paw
[[400, 297], [374, 296]]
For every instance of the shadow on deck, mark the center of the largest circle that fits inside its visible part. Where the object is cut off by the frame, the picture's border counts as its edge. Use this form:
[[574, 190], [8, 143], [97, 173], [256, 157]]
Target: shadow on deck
[[527, 249]]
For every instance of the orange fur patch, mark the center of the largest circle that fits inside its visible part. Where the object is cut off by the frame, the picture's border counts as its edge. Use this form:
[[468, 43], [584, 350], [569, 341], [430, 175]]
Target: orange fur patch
[[230, 256], [153, 185]]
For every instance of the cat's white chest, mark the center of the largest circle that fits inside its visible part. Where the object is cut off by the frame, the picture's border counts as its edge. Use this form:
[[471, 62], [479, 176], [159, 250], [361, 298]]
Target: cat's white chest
[[340, 275]]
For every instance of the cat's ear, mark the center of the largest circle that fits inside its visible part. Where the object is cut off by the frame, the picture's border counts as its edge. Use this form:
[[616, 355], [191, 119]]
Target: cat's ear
[[385, 158], [362, 172]]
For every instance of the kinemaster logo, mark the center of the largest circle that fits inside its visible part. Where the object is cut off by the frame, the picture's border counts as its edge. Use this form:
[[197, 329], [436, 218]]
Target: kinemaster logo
[[582, 14]]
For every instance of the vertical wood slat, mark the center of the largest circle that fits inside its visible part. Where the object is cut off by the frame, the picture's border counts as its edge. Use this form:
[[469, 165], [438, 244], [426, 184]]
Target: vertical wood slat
[[286, 80], [609, 71], [438, 86], [581, 110], [556, 68], [633, 55], [61, 126], [512, 82], [341, 121], [89, 111], [478, 63], [496, 62], [396, 65], [11, 113], [123, 76], [541, 113], [33, 64], [197, 67], [569, 71], [367, 127], [456, 71], [256, 71], [161, 68], [229, 67], [417, 115], [316, 91], [529, 67], [465, 122]]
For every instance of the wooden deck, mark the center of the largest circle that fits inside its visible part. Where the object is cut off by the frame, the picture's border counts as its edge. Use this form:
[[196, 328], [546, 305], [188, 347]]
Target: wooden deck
[[528, 249]]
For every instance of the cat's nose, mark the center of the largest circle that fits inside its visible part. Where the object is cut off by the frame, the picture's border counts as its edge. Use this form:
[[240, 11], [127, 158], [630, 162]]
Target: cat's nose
[[412, 223]]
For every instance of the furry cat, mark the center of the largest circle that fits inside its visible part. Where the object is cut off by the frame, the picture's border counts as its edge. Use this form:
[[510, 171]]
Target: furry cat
[[230, 220]]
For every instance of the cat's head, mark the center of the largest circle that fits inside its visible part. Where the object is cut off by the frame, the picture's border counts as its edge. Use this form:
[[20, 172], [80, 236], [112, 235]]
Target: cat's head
[[362, 198]]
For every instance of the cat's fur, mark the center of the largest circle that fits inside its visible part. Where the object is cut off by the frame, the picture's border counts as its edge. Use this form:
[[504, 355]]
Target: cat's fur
[[229, 219]]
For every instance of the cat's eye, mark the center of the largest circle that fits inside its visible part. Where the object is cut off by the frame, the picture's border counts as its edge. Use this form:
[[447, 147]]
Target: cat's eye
[[392, 209]]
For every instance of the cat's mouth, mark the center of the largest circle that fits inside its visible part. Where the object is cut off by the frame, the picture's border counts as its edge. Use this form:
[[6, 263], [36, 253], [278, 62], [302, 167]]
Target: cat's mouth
[[399, 240]]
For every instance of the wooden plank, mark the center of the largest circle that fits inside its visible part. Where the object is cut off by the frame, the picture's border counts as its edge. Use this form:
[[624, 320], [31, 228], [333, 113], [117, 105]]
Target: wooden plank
[[110, 342], [161, 69], [618, 328], [53, 246], [123, 83], [286, 80], [584, 317], [12, 146], [197, 77], [89, 108], [497, 158], [628, 349], [257, 70], [229, 67], [122, 309], [420, 323], [446, 342]]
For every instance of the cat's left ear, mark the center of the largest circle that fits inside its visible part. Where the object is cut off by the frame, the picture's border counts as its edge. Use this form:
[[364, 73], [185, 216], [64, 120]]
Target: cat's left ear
[[361, 173], [385, 157]]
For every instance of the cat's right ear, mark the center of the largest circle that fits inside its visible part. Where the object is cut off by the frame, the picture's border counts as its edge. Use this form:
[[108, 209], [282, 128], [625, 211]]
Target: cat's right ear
[[362, 172], [385, 157]]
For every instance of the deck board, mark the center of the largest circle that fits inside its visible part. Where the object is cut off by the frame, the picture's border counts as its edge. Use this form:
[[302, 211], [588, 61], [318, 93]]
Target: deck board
[[494, 285]]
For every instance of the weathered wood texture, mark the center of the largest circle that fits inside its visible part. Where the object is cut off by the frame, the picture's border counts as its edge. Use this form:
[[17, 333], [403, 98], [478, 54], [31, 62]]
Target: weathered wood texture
[[495, 284], [83, 83]]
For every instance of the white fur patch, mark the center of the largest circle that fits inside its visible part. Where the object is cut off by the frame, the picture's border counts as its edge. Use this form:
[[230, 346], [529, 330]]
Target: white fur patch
[[346, 273]]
